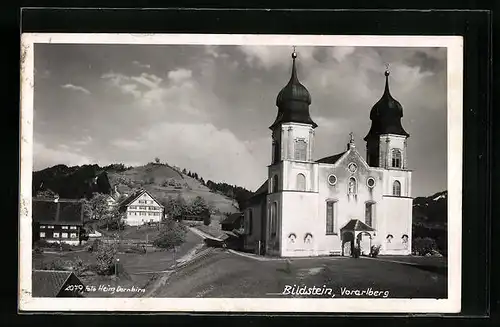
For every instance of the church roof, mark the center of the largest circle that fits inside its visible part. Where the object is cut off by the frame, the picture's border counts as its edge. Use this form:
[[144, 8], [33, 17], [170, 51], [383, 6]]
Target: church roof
[[331, 159], [386, 115], [357, 225], [262, 189], [293, 101]]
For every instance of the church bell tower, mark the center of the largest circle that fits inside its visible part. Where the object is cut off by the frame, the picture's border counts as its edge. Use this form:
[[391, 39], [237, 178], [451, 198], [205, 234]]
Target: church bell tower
[[386, 142]]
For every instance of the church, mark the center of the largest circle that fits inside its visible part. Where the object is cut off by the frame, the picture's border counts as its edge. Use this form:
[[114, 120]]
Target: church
[[309, 207]]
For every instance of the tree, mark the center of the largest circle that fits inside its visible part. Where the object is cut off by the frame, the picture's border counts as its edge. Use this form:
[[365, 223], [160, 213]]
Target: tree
[[184, 171], [202, 181], [195, 176], [157, 160], [105, 258], [171, 235], [175, 208], [199, 207], [97, 208]]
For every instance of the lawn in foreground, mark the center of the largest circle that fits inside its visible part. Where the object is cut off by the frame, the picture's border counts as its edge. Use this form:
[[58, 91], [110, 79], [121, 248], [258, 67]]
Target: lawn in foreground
[[223, 274], [139, 269]]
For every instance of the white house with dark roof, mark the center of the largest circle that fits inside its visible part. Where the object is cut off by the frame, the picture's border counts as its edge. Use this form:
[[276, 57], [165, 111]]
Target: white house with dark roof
[[140, 208], [311, 207]]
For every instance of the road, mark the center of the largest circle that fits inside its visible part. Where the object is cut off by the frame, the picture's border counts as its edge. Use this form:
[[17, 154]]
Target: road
[[225, 274]]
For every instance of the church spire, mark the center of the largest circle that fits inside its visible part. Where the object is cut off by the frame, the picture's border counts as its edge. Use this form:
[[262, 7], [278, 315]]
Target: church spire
[[386, 114], [293, 100]]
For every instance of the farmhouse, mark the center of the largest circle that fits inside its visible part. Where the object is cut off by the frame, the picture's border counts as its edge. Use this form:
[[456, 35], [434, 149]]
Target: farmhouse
[[139, 208], [55, 283], [57, 220], [309, 207]]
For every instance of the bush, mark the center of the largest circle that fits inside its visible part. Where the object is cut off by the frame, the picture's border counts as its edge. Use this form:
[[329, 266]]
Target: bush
[[424, 245], [374, 251]]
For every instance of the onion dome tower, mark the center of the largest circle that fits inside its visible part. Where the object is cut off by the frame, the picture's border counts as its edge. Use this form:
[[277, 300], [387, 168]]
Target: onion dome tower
[[293, 101], [386, 140]]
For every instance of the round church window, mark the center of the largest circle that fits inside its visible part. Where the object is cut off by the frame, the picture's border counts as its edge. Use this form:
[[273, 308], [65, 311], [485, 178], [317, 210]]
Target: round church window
[[370, 182], [332, 179], [352, 167]]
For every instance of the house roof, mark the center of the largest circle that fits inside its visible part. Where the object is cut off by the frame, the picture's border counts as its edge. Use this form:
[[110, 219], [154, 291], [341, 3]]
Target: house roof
[[357, 225], [58, 212], [331, 159], [48, 283], [232, 218], [132, 197]]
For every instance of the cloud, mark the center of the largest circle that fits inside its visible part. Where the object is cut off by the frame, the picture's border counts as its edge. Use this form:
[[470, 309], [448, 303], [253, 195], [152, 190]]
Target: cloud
[[179, 75], [137, 63], [214, 153], [45, 156], [86, 140], [270, 56], [75, 88], [341, 53], [181, 95]]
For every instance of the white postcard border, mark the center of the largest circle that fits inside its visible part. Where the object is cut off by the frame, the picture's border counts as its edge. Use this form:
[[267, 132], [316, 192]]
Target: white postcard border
[[452, 304]]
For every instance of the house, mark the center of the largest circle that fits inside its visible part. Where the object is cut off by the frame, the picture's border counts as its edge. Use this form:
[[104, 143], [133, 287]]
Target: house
[[309, 207], [140, 208], [232, 222], [57, 220], [55, 283]]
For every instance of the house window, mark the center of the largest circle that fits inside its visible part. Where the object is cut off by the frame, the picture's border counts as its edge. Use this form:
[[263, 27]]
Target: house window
[[42, 226], [274, 217], [72, 227], [55, 234], [352, 186], [250, 222], [301, 182], [274, 184], [396, 188], [396, 158], [330, 217], [369, 207], [50, 227], [143, 213], [64, 235], [300, 150], [64, 227], [42, 234], [72, 235]]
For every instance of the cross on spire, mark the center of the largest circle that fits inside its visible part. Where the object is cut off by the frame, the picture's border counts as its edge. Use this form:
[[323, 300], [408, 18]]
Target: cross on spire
[[294, 54]]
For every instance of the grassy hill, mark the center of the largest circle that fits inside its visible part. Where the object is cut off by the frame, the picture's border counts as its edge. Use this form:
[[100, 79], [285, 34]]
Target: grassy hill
[[163, 181], [160, 179]]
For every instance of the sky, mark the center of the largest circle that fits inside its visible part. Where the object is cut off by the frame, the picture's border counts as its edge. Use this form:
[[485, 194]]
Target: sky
[[208, 108]]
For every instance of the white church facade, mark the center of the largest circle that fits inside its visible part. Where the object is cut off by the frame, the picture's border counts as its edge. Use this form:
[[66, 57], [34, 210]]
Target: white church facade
[[311, 207]]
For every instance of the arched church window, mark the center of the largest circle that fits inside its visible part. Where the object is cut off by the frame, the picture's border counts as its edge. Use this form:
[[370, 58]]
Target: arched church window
[[396, 158], [300, 150], [389, 238], [396, 188], [352, 186], [369, 213], [404, 240], [274, 217], [274, 184], [301, 182], [276, 152]]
